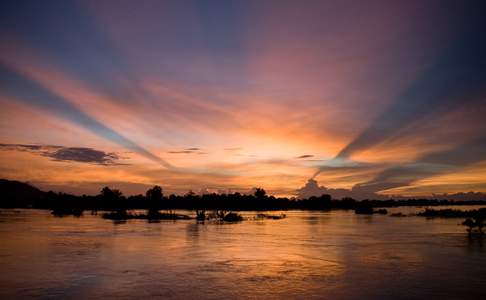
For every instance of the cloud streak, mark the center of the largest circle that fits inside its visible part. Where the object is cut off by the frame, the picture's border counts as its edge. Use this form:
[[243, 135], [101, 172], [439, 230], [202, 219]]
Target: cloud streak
[[456, 77], [430, 164], [18, 87]]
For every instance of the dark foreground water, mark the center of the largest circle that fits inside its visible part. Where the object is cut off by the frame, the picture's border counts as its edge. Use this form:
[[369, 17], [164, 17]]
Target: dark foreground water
[[332, 255]]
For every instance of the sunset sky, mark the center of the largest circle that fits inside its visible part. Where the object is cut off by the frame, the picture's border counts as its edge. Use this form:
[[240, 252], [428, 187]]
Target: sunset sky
[[383, 97]]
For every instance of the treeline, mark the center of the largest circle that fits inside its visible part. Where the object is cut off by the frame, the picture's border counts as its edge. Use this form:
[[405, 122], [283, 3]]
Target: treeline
[[14, 194], [112, 199]]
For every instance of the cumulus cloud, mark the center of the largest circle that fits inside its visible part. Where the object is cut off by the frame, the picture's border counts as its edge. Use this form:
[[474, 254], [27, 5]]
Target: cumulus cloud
[[311, 188], [67, 154]]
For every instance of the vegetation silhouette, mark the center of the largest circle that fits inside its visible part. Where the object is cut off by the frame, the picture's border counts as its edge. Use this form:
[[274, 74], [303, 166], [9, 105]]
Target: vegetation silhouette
[[474, 222], [14, 194], [474, 218], [366, 208], [225, 216], [66, 211], [271, 217], [398, 214], [201, 215], [154, 216], [260, 193], [154, 196], [453, 213], [218, 215]]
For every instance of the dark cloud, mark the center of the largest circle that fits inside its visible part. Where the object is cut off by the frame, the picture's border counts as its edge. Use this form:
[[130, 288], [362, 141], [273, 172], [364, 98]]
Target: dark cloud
[[180, 152], [86, 155], [192, 150], [68, 154], [305, 156]]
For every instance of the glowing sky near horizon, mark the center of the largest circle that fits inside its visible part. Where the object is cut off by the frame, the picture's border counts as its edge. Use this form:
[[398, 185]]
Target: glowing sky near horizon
[[374, 96]]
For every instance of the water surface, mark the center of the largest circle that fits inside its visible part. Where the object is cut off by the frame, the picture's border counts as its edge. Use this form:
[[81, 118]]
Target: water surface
[[308, 255]]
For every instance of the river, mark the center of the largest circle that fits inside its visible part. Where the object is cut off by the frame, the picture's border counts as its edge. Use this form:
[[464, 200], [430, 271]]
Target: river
[[307, 255]]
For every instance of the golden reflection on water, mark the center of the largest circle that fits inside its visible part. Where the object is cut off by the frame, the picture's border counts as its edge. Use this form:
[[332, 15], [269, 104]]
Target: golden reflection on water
[[334, 254]]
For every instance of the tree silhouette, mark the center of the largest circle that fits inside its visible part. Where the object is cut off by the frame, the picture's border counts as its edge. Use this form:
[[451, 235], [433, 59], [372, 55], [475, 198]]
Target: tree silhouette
[[154, 197], [475, 221], [470, 224], [112, 197], [16, 194], [260, 193], [111, 194], [155, 193]]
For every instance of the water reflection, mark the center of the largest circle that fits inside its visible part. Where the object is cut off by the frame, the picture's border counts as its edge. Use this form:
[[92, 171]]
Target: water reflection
[[336, 255], [475, 243], [193, 231]]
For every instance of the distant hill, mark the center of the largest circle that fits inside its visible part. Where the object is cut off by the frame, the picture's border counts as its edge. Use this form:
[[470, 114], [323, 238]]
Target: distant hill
[[18, 194]]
